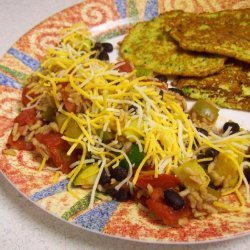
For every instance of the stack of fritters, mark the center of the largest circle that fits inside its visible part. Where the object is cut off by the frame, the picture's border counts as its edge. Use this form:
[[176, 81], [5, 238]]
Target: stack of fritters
[[148, 45], [194, 47]]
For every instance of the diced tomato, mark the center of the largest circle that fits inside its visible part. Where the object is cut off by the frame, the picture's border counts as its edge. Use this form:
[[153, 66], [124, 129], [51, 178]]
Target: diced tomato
[[57, 149], [157, 194], [163, 181], [20, 144], [124, 67], [25, 99], [69, 106], [166, 213], [26, 117]]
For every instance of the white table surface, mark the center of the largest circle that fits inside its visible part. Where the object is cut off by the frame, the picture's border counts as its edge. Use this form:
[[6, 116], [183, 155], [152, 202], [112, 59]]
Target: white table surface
[[25, 226]]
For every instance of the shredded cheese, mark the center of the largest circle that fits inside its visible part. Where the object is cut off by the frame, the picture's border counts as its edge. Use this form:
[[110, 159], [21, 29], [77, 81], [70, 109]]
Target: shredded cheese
[[42, 165], [92, 197]]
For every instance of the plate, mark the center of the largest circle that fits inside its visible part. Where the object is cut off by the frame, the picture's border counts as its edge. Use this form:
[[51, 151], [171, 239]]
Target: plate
[[107, 20]]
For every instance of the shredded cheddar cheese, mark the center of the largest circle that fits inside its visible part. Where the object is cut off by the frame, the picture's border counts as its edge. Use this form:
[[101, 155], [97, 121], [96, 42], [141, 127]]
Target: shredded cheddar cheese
[[42, 165]]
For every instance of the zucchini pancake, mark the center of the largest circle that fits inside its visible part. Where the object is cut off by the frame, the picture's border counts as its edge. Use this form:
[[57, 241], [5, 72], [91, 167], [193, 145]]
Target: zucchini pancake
[[230, 88], [148, 45], [225, 33]]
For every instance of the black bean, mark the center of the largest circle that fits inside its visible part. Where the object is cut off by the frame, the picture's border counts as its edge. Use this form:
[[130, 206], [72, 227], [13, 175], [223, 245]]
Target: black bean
[[111, 191], [93, 55], [98, 46], [211, 185], [181, 187], [177, 91], [246, 158], [234, 127], [246, 172], [161, 93], [103, 56], [161, 78], [173, 199], [132, 108], [119, 173], [204, 164], [107, 47], [123, 194], [211, 153], [104, 179], [202, 130], [201, 156]]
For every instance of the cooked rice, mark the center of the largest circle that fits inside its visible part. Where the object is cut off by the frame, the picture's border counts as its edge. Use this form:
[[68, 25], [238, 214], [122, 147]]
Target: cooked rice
[[30, 136], [40, 148], [150, 189], [182, 221], [15, 134], [35, 126], [196, 179], [198, 214], [184, 192], [143, 208], [43, 130], [217, 179], [11, 152], [209, 208], [54, 126], [201, 204]]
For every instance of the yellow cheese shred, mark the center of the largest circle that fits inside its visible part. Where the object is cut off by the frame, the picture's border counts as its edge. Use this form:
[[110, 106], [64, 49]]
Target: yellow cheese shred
[[56, 177], [42, 165]]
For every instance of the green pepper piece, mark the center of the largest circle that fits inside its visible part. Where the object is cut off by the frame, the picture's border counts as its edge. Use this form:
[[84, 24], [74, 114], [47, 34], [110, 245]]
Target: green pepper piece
[[73, 130], [87, 176], [191, 171], [203, 109], [60, 119], [134, 155]]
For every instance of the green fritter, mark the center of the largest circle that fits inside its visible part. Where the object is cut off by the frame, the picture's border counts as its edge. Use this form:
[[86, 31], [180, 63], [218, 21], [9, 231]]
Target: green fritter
[[148, 45], [230, 88], [225, 33]]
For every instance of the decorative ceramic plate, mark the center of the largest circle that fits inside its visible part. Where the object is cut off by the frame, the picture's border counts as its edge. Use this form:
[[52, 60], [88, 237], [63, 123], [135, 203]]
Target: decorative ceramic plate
[[107, 19]]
